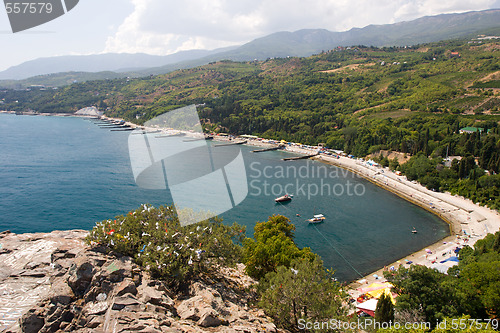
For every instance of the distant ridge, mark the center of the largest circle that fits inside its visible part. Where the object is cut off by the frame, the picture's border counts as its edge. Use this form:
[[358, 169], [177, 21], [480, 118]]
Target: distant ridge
[[280, 44], [115, 62], [427, 29]]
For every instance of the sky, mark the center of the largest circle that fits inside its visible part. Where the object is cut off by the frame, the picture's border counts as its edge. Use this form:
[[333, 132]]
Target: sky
[[163, 27]]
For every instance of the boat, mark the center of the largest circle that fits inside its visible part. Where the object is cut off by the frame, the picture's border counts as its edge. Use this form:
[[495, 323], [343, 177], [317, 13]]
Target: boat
[[284, 198], [318, 218], [414, 231]]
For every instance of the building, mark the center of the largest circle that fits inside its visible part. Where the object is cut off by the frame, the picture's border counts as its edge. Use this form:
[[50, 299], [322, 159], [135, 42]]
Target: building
[[471, 130]]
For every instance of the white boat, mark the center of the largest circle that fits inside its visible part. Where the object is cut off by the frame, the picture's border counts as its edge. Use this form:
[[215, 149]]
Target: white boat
[[318, 218], [284, 198]]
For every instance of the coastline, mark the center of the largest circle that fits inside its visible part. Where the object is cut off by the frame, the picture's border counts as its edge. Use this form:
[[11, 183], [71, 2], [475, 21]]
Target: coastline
[[468, 222]]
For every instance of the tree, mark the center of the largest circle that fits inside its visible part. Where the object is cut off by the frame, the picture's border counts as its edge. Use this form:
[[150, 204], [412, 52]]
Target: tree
[[302, 291], [394, 164], [384, 312], [423, 287], [273, 246], [157, 241]]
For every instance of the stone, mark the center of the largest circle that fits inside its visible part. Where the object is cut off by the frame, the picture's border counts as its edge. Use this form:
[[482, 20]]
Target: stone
[[92, 309], [101, 297], [80, 275], [118, 269], [155, 297], [269, 327], [150, 330], [170, 330], [123, 301], [188, 309], [32, 321], [61, 293], [126, 286], [210, 318], [94, 322]]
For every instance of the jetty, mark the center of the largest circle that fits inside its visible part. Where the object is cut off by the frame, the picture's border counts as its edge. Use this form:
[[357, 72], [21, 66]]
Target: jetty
[[124, 128], [115, 126], [268, 149], [207, 137], [299, 157], [170, 135], [231, 143]]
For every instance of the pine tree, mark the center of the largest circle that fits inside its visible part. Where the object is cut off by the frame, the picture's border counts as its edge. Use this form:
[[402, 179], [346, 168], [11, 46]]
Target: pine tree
[[384, 312]]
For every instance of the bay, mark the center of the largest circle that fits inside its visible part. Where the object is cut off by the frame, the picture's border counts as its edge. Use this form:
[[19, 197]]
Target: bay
[[68, 173]]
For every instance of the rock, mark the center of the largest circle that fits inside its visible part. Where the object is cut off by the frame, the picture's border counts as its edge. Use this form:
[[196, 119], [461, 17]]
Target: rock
[[35, 273], [190, 308], [60, 292], [126, 286], [76, 289], [156, 297], [101, 297], [94, 322], [123, 301], [150, 330], [5, 233], [210, 318], [32, 321], [80, 275], [170, 330], [118, 269], [93, 309]]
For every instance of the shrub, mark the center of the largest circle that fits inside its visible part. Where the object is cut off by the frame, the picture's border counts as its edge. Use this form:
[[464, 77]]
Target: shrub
[[157, 241]]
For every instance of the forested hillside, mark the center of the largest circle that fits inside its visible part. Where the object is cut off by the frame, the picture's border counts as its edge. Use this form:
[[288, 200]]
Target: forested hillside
[[413, 100]]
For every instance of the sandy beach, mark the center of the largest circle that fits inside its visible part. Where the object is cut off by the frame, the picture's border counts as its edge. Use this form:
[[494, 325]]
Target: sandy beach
[[468, 222]]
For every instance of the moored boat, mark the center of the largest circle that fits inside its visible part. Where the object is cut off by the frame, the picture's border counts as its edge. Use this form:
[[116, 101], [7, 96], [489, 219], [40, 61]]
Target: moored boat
[[318, 218], [284, 198]]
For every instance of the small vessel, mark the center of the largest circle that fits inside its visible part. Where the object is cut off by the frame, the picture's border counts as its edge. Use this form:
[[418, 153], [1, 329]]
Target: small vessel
[[414, 231], [318, 218], [284, 198]]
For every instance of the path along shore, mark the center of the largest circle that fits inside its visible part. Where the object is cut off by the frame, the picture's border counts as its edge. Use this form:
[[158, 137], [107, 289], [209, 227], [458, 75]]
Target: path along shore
[[468, 221]]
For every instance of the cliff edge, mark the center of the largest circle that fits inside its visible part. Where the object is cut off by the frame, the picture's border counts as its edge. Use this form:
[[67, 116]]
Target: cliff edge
[[54, 282]]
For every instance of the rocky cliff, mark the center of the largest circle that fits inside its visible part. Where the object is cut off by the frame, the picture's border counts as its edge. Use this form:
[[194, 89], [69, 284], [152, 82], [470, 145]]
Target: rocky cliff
[[54, 282]]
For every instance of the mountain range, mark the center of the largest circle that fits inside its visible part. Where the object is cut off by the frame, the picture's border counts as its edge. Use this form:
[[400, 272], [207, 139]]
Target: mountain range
[[57, 71]]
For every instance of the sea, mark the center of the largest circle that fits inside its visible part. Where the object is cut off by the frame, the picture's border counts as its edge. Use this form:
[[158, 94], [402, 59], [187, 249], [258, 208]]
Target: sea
[[59, 173]]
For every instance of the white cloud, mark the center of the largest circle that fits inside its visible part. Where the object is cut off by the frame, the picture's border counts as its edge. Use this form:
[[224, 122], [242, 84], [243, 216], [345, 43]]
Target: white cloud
[[166, 26]]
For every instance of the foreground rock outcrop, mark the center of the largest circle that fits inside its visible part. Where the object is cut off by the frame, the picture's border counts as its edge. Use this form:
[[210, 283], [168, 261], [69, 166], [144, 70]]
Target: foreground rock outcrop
[[55, 283]]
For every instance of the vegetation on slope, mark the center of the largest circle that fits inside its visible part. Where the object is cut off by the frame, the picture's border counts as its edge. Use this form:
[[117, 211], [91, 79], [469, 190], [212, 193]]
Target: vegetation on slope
[[472, 288], [361, 100]]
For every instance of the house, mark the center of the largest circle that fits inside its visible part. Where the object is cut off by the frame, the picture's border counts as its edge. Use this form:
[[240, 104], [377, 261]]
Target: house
[[454, 55], [470, 130], [449, 160]]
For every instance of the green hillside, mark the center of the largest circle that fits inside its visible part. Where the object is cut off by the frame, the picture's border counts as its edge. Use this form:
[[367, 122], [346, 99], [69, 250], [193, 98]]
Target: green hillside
[[360, 100]]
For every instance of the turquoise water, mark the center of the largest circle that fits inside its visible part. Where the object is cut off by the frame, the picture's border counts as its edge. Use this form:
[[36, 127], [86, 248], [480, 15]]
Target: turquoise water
[[66, 173]]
